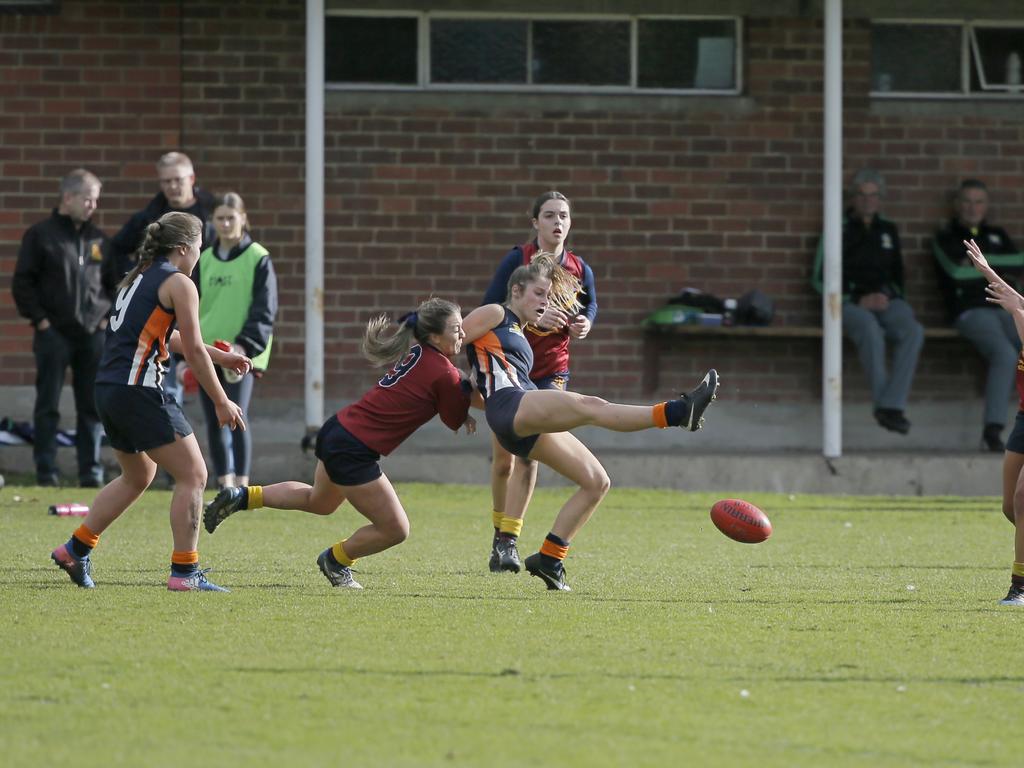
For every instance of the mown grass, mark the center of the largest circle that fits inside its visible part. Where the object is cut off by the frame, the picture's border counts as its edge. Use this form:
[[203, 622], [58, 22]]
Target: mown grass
[[864, 632]]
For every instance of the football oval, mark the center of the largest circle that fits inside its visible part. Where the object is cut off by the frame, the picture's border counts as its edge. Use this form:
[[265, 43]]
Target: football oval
[[740, 520]]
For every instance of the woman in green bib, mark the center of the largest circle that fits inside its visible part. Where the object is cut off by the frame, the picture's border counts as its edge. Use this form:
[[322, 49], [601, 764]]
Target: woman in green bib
[[237, 305]]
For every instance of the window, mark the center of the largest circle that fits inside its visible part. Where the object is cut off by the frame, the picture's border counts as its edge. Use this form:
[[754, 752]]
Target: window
[[507, 52], [946, 58]]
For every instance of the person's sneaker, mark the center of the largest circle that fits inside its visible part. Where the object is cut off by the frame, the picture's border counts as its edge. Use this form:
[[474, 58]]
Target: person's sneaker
[[225, 504], [892, 420], [992, 439], [494, 563], [508, 555], [339, 575], [1014, 597], [698, 399], [193, 581], [78, 568], [553, 576]]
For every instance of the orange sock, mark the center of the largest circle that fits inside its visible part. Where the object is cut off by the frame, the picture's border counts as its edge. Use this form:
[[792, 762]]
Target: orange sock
[[185, 557], [551, 549], [658, 415], [87, 537]]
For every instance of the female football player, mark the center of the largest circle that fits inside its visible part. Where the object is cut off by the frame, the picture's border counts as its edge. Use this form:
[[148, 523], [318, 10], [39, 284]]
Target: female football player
[[422, 383], [532, 423], [145, 426], [549, 338], [1001, 293]]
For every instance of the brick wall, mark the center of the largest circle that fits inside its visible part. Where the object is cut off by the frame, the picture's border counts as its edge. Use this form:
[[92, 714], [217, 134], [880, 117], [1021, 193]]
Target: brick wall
[[425, 195]]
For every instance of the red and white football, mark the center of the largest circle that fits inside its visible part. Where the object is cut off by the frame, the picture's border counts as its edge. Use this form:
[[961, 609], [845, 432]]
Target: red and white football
[[741, 520]]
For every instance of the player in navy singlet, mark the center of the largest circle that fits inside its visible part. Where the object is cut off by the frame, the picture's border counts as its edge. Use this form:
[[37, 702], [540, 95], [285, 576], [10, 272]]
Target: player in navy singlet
[[421, 383], [1001, 293], [549, 338], [533, 423], [145, 426]]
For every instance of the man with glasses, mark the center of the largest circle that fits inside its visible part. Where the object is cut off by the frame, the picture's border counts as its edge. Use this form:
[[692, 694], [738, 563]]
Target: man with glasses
[[985, 325], [874, 310], [178, 192]]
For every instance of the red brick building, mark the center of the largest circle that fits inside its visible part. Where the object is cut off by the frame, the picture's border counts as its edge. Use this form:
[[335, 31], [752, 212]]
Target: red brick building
[[427, 188]]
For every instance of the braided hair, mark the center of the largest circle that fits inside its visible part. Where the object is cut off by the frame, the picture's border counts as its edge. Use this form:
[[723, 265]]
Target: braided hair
[[170, 231]]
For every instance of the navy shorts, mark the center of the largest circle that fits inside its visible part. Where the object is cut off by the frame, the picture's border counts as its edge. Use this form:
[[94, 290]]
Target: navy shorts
[[501, 414], [138, 419], [1016, 441], [554, 381], [346, 458]]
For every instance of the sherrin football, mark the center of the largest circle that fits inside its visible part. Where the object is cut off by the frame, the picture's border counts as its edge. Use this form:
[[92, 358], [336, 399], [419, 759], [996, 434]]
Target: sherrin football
[[741, 520]]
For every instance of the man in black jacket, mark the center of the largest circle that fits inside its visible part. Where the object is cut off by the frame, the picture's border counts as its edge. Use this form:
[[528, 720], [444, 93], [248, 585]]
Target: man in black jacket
[[178, 192], [58, 286], [874, 310], [985, 325]]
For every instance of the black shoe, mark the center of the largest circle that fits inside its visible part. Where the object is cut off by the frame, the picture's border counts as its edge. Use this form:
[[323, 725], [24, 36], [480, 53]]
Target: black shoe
[[225, 504], [892, 419], [698, 399], [508, 555], [494, 563], [1014, 597], [553, 576], [339, 575], [991, 438]]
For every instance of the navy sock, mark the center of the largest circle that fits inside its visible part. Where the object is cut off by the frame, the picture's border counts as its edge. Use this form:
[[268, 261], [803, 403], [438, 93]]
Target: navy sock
[[676, 411], [332, 559], [78, 549], [184, 569]]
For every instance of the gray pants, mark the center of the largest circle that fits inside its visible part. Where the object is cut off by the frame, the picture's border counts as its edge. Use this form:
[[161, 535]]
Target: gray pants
[[869, 332], [993, 334]]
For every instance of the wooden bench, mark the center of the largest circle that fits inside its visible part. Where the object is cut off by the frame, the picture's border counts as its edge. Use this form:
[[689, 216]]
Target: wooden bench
[[656, 334]]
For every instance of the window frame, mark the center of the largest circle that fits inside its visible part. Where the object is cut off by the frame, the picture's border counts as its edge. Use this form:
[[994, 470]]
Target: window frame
[[423, 83], [969, 58]]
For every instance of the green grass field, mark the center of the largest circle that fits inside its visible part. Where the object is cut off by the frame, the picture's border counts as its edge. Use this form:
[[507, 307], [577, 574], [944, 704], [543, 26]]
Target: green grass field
[[865, 632]]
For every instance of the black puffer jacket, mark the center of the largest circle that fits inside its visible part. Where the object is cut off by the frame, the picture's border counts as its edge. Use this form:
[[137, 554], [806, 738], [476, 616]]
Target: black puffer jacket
[[122, 247], [58, 276]]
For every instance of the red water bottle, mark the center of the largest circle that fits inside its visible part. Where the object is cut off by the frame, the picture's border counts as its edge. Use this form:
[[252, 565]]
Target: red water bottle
[[69, 510]]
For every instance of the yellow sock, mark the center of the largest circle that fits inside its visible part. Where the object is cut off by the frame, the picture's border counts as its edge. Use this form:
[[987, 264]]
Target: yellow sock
[[1018, 570], [511, 525], [255, 497], [338, 550], [496, 517]]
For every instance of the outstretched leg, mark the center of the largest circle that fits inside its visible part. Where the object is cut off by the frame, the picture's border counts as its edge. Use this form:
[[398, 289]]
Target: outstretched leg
[[137, 472], [552, 410]]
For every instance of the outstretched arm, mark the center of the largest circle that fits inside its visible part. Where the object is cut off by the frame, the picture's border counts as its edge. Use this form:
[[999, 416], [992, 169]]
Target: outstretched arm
[[999, 291]]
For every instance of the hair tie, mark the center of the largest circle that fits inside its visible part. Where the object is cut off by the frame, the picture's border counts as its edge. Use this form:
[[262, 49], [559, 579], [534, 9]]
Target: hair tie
[[409, 319]]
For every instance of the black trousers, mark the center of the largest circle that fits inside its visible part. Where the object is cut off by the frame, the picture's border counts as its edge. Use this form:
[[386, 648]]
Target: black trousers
[[231, 452], [54, 352]]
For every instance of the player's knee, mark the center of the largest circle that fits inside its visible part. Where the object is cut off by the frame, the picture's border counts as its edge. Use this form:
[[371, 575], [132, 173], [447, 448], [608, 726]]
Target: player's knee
[[1017, 511], [395, 531], [501, 466], [597, 483]]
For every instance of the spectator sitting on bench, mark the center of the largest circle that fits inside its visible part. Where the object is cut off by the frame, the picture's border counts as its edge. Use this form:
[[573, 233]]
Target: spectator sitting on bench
[[874, 310], [985, 325]]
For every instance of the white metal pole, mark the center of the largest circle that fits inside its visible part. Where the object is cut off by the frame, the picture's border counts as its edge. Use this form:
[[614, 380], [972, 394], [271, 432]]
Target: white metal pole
[[832, 321], [314, 392]]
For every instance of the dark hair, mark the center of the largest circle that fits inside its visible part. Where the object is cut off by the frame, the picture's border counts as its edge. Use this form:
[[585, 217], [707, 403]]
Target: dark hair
[[550, 195], [234, 201], [971, 184], [431, 317], [170, 231]]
